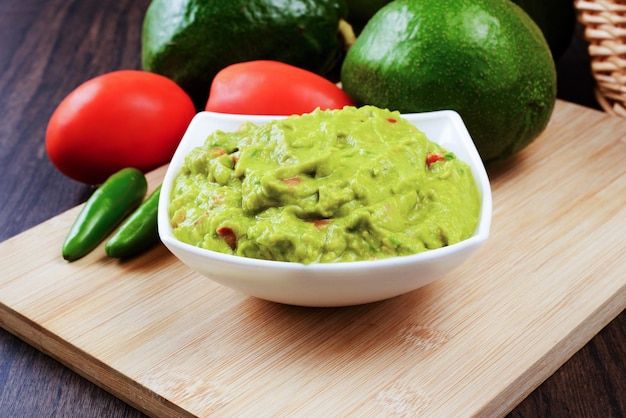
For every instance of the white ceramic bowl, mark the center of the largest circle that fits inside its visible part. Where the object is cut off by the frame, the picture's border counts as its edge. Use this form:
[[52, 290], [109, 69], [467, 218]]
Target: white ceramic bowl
[[329, 284]]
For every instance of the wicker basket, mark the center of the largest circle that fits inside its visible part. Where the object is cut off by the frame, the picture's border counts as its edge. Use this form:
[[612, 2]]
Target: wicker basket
[[605, 29]]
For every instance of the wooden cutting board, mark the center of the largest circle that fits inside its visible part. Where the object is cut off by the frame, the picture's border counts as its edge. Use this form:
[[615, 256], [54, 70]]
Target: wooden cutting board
[[173, 343]]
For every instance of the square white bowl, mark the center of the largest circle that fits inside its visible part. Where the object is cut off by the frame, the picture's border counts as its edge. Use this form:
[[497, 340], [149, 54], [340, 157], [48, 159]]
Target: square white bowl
[[329, 284]]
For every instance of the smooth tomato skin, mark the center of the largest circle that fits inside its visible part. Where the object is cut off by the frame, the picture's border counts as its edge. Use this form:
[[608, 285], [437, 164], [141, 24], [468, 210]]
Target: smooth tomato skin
[[126, 118], [266, 87]]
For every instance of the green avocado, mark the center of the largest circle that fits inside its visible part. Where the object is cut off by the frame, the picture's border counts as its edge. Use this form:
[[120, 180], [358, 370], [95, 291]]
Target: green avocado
[[485, 59], [555, 18], [189, 41]]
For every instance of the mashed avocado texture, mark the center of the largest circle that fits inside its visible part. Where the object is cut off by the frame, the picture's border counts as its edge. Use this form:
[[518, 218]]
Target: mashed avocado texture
[[328, 186]]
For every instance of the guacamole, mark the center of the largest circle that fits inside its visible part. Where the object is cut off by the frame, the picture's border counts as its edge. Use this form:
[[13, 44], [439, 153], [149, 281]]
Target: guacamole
[[328, 186]]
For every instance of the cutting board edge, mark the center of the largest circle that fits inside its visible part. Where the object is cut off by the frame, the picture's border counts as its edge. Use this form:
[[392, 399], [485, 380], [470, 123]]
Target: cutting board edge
[[151, 403], [508, 398], [122, 387]]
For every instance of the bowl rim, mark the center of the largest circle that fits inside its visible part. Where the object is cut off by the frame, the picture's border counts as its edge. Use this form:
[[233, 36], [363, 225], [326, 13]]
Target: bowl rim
[[479, 172]]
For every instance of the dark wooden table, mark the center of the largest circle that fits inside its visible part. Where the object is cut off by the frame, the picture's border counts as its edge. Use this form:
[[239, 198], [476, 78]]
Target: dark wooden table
[[47, 48]]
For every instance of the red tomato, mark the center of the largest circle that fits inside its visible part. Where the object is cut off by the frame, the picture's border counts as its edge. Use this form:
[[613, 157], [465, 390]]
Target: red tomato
[[272, 88], [125, 118]]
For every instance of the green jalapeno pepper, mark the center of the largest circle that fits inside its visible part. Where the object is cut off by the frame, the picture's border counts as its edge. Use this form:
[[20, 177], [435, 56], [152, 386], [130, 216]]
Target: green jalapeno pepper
[[104, 210], [139, 232]]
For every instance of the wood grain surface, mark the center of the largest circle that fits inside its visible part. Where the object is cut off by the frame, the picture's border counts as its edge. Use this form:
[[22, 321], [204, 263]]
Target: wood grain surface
[[49, 47], [171, 342]]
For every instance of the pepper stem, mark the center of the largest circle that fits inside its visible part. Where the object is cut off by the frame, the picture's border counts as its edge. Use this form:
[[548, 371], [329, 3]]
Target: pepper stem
[[347, 33]]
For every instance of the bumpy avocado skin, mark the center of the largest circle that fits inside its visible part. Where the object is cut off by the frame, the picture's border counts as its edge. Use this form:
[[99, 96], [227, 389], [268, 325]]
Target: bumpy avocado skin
[[555, 18], [486, 59], [189, 41]]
